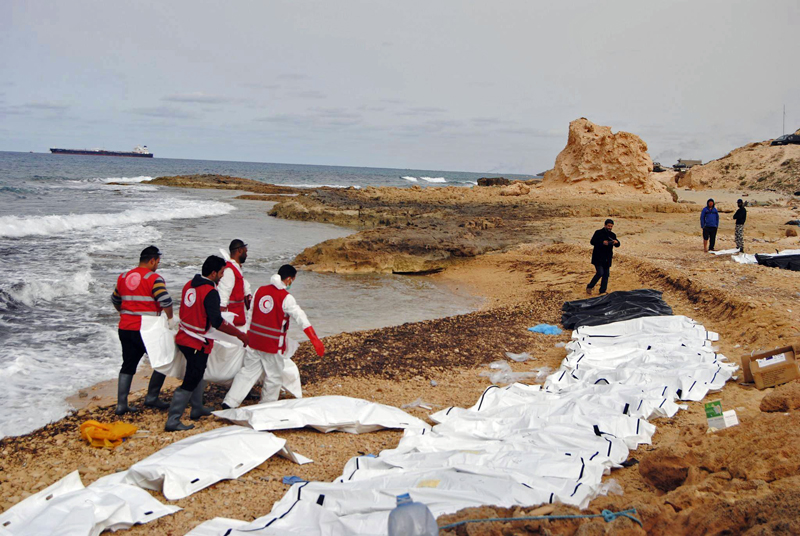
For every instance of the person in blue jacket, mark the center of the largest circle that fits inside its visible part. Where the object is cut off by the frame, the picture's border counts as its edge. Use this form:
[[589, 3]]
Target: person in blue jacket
[[709, 221]]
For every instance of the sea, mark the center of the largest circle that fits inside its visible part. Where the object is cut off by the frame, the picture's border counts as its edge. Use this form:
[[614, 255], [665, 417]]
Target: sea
[[67, 232]]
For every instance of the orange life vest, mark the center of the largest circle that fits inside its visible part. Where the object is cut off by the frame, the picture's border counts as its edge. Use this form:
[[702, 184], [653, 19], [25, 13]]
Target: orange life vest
[[269, 324], [136, 290]]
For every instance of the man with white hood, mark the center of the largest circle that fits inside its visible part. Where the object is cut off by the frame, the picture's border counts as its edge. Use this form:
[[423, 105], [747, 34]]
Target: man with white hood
[[233, 288], [273, 306]]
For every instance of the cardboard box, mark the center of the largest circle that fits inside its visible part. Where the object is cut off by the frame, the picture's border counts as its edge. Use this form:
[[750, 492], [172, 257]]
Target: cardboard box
[[774, 370], [793, 350]]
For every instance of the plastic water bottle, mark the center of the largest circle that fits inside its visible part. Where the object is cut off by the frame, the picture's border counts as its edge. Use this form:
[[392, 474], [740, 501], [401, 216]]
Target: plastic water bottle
[[411, 518]]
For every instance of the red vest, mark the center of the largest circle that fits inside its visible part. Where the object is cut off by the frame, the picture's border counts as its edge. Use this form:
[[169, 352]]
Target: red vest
[[194, 321], [236, 301], [269, 324], [136, 290]]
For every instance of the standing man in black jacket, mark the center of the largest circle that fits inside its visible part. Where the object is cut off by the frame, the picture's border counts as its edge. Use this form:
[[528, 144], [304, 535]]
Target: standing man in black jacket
[[740, 217], [604, 242]]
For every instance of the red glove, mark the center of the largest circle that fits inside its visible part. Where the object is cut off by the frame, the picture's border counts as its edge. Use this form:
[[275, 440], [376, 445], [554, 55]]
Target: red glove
[[318, 346], [248, 300]]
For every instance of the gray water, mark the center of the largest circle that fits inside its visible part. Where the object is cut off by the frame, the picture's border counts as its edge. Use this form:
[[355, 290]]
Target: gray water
[[65, 235]]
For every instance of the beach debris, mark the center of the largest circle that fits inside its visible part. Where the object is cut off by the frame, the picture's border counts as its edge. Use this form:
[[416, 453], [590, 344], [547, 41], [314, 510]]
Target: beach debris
[[289, 480], [519, 358], [434, 383], [418, 403], [718, 419], [547, 329], [560, 345], [102, 435], [611, 486], [502, 373]]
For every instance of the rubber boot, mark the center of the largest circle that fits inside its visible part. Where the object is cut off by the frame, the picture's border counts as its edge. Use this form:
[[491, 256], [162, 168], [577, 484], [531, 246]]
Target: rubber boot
[[198, 409], [180, 399], [153, 390], [123, 389]]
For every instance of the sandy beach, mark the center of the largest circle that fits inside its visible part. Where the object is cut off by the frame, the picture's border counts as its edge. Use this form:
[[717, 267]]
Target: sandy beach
[[526, 255]]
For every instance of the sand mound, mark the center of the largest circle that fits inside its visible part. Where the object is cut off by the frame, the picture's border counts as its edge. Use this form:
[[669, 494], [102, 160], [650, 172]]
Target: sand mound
[[756, 165], [599, 161]]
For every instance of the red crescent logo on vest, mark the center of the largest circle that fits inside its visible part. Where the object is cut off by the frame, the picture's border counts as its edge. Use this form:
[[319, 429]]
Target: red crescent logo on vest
[[266, 304], [190, 298], [133, 280]]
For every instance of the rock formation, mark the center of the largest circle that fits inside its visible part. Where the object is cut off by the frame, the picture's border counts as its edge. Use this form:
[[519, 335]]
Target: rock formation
[[599, 161], [755, 165]]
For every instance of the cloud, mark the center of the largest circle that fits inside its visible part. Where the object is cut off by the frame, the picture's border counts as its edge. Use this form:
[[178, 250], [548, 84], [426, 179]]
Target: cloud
[[316, 118], [490, 122], [253, 85], [422, 110], [196, 97], [52, 106], [308, 94], [13, 110], [163, 112], [293, 76]]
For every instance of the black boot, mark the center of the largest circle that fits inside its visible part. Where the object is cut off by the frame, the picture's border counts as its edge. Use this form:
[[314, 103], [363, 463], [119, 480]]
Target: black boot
[[198, 409], [123, 389], [153, 390], [180, 399]]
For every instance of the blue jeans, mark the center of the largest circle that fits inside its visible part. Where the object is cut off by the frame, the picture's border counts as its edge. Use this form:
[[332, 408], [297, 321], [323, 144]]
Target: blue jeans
[[602, 272]]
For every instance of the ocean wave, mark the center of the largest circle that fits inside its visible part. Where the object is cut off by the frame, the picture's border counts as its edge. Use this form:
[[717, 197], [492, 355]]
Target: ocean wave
[[16, 226], [412, 179], [320, 186], [125, 180], [433, 179], [32, 292]]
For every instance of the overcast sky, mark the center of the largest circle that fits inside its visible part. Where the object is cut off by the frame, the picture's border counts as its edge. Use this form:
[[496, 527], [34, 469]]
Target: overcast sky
[[486, 86]]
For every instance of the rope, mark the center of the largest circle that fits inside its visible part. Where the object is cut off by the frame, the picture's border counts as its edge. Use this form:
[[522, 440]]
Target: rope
[[607, 515]]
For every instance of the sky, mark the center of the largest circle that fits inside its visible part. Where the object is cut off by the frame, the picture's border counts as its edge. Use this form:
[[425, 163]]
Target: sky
[[484, 86]]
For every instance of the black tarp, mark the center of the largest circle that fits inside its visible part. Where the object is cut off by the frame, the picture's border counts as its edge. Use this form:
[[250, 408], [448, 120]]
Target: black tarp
[[620, 305], [787, 262]]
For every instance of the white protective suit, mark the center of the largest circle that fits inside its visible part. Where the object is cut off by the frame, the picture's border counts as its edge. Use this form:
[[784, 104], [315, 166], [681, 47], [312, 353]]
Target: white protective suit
[[225, 285], [271, 365]]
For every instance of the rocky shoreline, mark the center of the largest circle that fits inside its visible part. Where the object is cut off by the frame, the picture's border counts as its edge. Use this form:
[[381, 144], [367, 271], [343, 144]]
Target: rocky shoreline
[[524, 247]]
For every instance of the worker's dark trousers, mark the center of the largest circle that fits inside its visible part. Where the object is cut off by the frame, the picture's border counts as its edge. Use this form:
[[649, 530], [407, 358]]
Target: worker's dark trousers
[[710, 234], [132, 350], [196, 361], [602, 272]]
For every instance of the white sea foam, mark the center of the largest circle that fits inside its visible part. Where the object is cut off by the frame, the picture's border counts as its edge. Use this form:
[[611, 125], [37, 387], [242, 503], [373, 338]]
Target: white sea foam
[[16, 226], [125, 180], [320, 186], [33, 291], [412, 179], [433, 179]]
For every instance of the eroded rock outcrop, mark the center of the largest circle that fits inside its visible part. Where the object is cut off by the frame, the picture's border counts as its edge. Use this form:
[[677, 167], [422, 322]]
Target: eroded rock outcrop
[[598, 161], [755, 165]]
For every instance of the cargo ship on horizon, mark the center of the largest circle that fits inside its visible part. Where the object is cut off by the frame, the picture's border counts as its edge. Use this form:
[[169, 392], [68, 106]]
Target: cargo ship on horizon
[[140, 151]]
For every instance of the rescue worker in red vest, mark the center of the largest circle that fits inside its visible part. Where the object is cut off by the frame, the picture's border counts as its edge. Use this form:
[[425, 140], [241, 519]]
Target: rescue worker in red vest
[[139, 292], [234, 290], [273, 306], [199, 312]]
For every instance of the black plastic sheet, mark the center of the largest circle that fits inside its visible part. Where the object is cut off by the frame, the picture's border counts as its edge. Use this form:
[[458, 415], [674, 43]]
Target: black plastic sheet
[[786, 262], [614, 307]]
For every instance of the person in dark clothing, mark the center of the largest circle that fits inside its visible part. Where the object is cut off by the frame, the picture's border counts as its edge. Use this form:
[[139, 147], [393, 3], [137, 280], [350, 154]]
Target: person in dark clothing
[[739, 217], [709, 221], [604, 242], [199, 312]]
